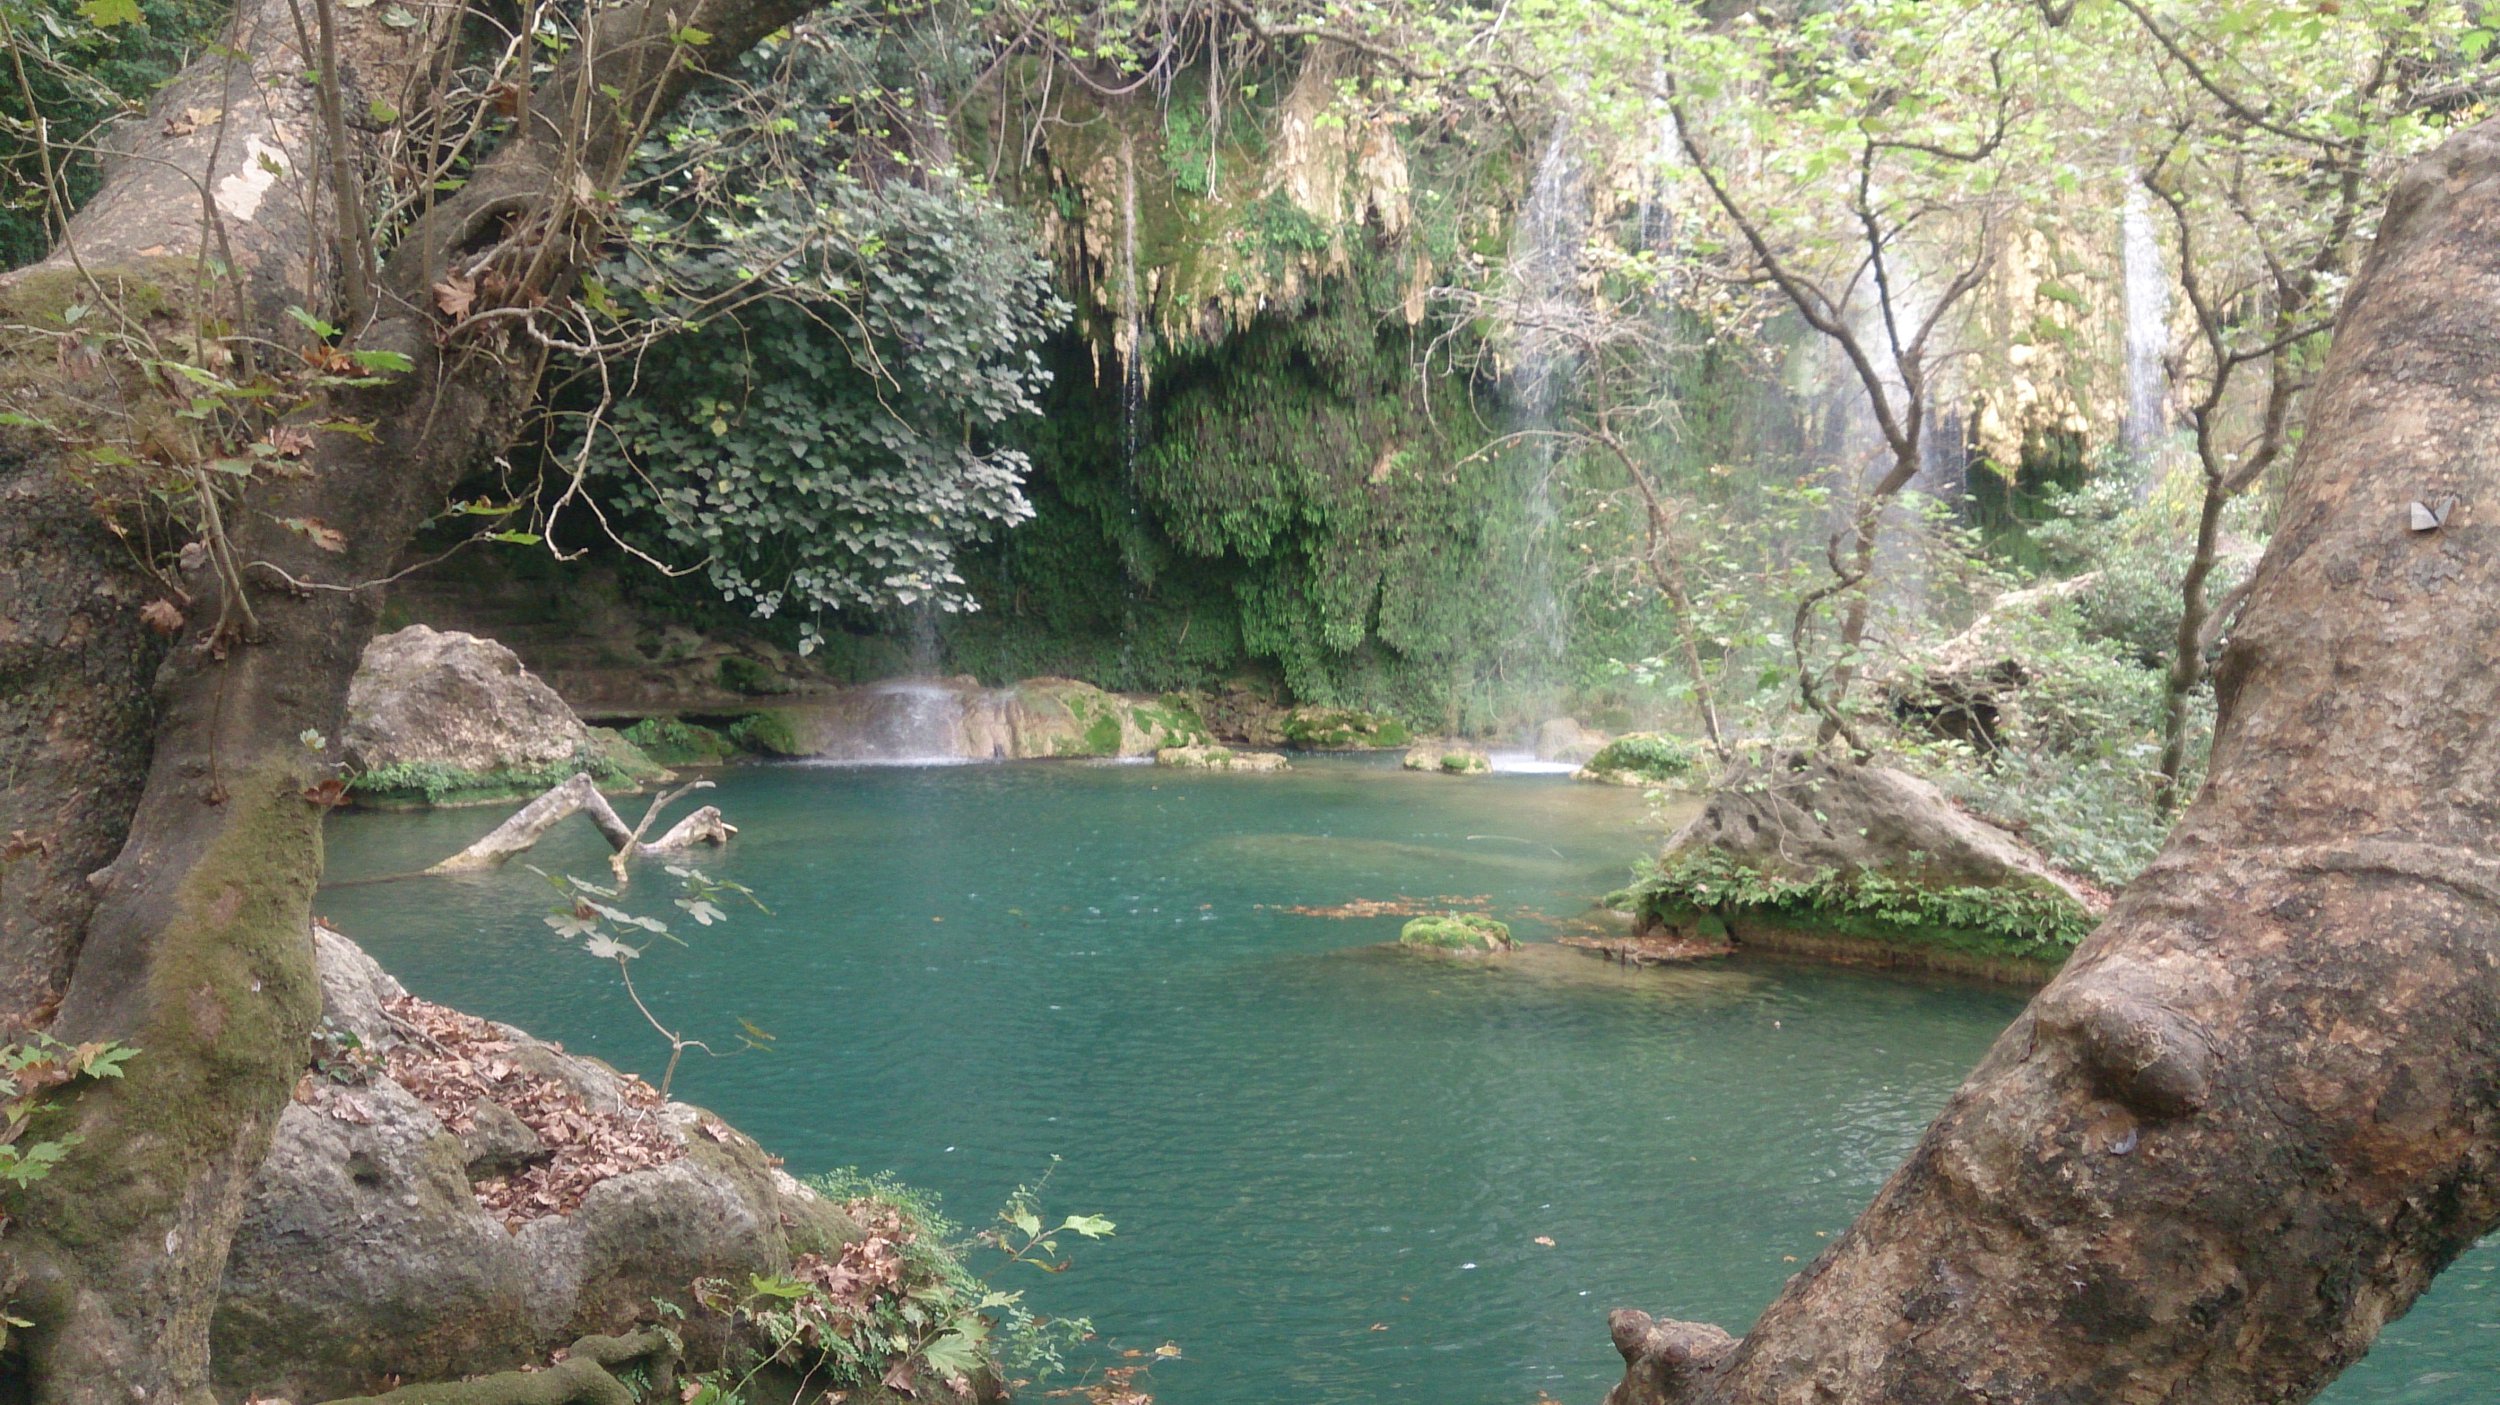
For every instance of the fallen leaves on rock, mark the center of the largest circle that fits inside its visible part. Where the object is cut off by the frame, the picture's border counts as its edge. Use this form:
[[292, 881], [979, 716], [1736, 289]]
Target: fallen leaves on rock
[[1399, 906], [461, 1060]]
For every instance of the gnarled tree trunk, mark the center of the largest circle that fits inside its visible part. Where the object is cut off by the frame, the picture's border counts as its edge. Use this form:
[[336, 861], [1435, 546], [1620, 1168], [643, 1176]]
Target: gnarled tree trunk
[[2260, 1108], [193, 943]]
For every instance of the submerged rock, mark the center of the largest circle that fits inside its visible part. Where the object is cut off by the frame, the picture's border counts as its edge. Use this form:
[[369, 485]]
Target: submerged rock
[[1861, 862], [399, 1231], [1449, 759], [1457, 934], [1219, 758]]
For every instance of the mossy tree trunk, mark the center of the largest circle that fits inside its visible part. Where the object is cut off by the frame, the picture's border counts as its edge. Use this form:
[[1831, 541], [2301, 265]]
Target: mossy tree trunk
[[2260, 1108], [198, 785]]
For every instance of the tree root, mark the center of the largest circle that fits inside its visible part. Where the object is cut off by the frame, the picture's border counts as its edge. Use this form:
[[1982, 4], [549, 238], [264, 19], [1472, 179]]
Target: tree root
[[584, 1377]]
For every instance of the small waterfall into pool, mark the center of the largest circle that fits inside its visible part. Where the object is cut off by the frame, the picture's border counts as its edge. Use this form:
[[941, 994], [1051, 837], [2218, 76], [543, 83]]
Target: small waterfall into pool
[[912, 722], [2145, 281]]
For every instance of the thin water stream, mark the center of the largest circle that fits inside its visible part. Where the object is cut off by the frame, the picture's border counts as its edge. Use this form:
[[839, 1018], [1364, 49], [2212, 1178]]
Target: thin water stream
[[1334, 1168]]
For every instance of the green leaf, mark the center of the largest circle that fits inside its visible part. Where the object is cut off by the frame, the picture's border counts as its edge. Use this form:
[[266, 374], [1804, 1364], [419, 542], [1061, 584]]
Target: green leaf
[[1091, 1226], [105, 14], [381, 112], [382, 360]]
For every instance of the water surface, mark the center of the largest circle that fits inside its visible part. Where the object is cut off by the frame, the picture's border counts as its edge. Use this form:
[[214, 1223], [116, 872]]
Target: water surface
[[1332, 1165]]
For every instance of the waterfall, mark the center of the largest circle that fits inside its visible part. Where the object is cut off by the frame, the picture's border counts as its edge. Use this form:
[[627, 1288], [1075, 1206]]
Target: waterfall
[[2146, 285], [1130, 340], [1545, 270]]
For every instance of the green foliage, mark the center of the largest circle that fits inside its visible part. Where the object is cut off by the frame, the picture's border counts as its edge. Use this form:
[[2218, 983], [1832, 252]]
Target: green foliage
[[767, 733], [591, 913], [85, 65], [901, 1302], [1650, 755], [31, 1069], [2030, 922], [1457, 931], [672, 742], [833, 447]]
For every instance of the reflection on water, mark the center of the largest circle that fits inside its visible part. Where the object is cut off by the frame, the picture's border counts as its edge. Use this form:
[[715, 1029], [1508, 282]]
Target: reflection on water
[[1332, 1163]]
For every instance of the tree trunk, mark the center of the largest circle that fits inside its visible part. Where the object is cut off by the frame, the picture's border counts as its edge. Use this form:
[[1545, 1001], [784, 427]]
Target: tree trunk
[[197, 948], [2260, 1108]]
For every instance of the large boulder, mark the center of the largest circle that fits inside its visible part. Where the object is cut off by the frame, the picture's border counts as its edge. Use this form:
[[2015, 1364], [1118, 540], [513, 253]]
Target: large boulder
[[1862, 861], [425, 697], [447, 1197]]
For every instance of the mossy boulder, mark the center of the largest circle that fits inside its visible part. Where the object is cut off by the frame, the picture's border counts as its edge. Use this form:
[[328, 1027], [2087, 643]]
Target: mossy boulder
[[1449, 759], [1219, 758], [1342, 729], [1457, 934], [1643, 759], [1862, 862]]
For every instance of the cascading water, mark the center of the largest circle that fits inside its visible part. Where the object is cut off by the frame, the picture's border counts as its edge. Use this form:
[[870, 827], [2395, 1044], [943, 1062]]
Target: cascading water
[[2145, 281], [1130, 341], [1545, 271]]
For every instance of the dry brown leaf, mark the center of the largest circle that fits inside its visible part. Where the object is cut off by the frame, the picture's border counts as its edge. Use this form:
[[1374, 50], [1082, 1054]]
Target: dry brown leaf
[[455, 295], [162, 616]]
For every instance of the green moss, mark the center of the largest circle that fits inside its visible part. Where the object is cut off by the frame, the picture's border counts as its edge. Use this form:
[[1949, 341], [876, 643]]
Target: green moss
[[224, 1028], [674, 742], [2030, 923], [1102, 735], [1648, 755], [1457, 931], [1341, 729], [607, 757], [767, 734], [1463, 761]]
